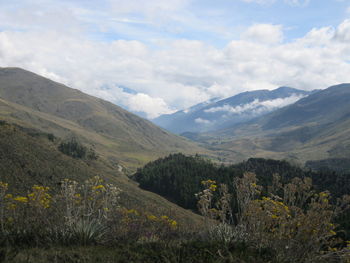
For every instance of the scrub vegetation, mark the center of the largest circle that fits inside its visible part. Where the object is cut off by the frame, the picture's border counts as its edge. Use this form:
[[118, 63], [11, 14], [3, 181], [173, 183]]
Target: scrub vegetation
[[284, 221]]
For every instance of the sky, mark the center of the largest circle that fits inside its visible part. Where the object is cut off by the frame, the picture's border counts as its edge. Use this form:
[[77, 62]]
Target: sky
[[157, 56]]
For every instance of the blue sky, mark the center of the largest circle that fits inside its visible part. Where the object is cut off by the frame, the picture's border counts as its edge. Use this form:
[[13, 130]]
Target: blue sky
[[176, 53], [217, 22]]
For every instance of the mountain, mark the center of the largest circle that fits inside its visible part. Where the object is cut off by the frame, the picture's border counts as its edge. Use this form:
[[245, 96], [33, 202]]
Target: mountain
[[30, 157], [219, 114], [182, 120], [313, 128], [38, 116], [118, 136]]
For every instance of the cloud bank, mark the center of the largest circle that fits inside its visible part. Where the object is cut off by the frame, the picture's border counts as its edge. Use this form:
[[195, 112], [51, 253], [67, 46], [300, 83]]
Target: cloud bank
[[65, 43], [256, 107]]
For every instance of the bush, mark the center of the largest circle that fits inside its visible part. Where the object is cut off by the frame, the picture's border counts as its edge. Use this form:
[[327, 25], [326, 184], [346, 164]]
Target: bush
[[51, 137], [73, 148], [84, 214], [293, 221]]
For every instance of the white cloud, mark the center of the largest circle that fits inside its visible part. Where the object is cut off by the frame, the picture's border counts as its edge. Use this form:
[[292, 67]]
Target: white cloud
[[202, 121], [152, 106], [166, 74], [148, 8], [182, 72], [298, 2], [261, 2], [290, 2], [256, 106], [281, 102], [343, 31], [235, 110], [264, 33]]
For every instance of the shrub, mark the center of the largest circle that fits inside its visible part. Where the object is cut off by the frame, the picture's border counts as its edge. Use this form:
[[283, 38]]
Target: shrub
[[222, 232], [293, 221], [51, 137], [88, 231], [141, 226], [79, 214], [73, 148]]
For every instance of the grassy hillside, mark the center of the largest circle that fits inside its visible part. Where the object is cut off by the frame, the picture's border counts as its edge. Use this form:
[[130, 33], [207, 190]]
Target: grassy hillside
[[37, 115], [29, 157], [118, 136]]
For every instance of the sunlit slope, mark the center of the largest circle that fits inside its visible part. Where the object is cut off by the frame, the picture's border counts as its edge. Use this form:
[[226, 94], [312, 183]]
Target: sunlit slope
[[117, 135], [29, 157]]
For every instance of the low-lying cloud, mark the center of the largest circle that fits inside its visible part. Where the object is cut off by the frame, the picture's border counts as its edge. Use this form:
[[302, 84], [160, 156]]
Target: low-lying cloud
[[202, 121], [256, 106]]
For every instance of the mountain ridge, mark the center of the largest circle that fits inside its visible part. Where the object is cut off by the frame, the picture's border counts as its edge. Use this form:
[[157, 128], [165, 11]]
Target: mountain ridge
[[37, 115], [30, 99], [223, 113], [313, 128]]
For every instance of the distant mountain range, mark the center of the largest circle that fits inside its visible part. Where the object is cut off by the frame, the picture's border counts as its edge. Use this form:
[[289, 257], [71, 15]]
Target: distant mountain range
[[219, 114], [313, 128], [282, 123]]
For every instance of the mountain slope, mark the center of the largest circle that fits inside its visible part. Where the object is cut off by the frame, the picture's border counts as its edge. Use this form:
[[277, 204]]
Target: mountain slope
[[325, 106], [37, 115], [29, 157], [118, 136], [219, 114], [316, 127], [183, 120]]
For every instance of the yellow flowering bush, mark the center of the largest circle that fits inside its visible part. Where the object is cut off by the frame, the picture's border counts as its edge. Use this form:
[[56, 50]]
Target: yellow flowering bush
[[80, 213], [21, 199], [210, 184], [25, 213], [221, 209], [40, 197], [78, 208], [143, 226], [293, 221], [91, 202]]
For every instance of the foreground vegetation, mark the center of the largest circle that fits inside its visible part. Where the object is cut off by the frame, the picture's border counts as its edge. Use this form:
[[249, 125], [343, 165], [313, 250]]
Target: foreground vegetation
[[84, 222], [291, 220], [45, 218], [28, 157]]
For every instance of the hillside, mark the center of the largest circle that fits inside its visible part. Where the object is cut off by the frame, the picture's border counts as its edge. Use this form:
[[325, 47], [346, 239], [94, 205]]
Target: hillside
[[219, 114], [29, 157], [314, 128], [37, 115], [118, 136]]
